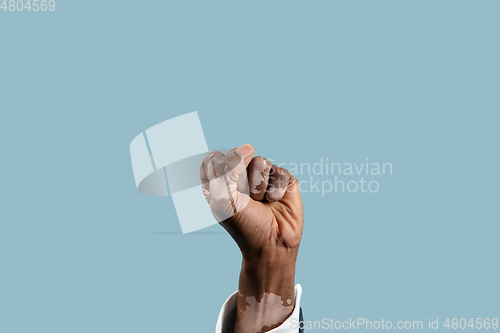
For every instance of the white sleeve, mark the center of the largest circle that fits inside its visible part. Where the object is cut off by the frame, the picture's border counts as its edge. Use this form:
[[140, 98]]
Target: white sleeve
[[226, 316]]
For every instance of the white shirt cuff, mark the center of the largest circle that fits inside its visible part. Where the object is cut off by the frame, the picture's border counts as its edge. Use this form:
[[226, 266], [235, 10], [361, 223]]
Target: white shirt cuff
[[228, 311]]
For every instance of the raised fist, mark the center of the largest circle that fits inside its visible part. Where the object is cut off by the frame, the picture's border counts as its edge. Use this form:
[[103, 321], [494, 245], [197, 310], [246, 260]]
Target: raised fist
[[259, 204]]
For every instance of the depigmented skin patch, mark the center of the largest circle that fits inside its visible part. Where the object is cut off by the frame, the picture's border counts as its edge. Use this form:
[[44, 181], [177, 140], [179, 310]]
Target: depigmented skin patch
[[219, 174], [272, 305], [258, 177], [279, 179]]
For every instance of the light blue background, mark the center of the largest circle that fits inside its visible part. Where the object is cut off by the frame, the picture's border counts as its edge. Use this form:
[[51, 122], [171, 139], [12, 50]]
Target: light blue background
[[414, 83]]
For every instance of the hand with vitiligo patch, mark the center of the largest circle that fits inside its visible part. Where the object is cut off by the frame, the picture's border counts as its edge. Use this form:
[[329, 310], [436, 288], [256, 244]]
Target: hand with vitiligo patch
[[260, 206]]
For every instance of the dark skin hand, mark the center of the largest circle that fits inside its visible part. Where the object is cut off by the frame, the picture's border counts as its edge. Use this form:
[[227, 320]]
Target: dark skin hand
[[266, 223]]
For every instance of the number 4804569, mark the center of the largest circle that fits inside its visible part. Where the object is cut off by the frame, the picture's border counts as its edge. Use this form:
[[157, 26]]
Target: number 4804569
[[35, 5]]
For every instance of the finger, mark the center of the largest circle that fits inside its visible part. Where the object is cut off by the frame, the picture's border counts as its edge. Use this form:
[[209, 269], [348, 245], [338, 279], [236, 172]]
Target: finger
[[293, 202], [242, 180], [226, 164], [206, 168], [258, 177], [292, 197], [279, 180]]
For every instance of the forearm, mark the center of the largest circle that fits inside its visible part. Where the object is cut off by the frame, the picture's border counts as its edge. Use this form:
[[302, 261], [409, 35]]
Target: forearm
[[265, 293]]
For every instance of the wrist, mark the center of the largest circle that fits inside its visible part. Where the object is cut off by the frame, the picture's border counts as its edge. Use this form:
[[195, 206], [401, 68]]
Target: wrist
[[268, 272], [266, 295]]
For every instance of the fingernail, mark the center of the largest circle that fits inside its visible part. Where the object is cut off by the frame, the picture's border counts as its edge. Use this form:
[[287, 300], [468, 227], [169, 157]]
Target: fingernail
[[246, 150]]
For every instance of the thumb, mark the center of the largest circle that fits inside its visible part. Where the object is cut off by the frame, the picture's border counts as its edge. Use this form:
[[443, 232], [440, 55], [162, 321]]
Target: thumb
[[247, 152]]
